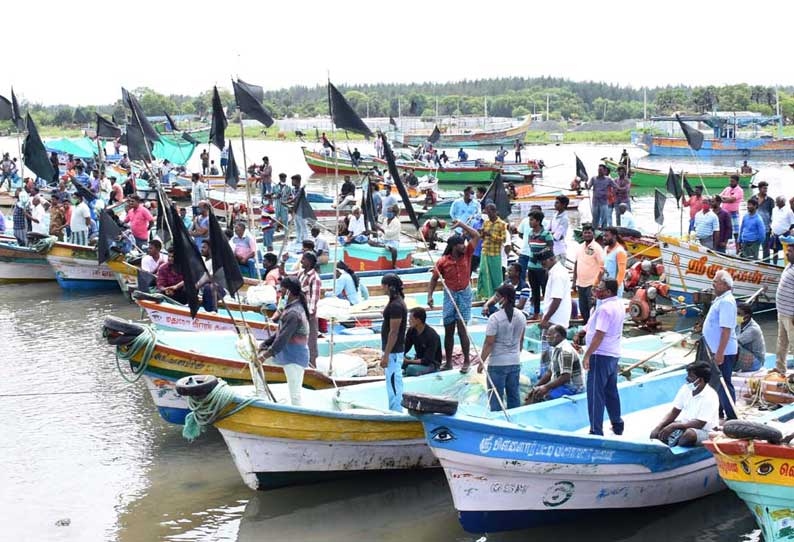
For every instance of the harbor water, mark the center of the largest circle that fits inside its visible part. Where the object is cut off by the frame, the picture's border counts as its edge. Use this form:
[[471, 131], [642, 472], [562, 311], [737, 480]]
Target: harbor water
[[84, 456]]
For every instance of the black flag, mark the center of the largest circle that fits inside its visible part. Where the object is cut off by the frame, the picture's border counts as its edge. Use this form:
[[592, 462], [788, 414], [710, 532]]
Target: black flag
[[303, 207], [387, 152], [109, 233], [163, 229], [219, 123], [658, 206], [368, 208], [171, 122], [105, 128], [498, 195], [435, 136], [225, 270], [137, 115], [189, 138], [187, 259], [693, 137], [6, 109], [19, 122], [673, 184], [248, 101], [83, 191], [687, 187], [581, 172], [34, 155], [232, 171], [137, 143], [392, 121], [413, 109], [343, 115]]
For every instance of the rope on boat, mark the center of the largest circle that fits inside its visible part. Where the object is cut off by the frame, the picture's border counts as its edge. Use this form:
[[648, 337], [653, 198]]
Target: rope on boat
[[145, 342], [44, 245], [206, 410], [730, 459]]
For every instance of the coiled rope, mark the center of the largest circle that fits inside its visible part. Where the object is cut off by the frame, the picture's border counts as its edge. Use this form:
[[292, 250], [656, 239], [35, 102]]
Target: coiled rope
[[207, 410], [145, 342]]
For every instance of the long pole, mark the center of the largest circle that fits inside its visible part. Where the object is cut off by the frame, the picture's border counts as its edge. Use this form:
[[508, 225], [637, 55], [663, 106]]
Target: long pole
[[336, 225], [248, 198]]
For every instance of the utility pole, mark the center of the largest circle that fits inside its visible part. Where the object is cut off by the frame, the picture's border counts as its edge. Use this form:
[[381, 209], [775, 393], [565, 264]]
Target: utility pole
[[547, 107], [644, 104]]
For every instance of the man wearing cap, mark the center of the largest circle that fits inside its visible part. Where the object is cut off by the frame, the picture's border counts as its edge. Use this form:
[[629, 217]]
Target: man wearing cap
[[282, 194], [454, 268], [140, 220], [464, 209], [493, 233]]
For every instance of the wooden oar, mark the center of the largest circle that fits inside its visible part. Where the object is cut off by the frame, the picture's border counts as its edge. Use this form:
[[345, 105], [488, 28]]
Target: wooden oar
[[627, 371]]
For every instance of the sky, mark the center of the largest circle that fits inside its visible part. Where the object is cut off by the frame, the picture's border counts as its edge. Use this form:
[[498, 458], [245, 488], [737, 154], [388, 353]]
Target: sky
[[82, 52]]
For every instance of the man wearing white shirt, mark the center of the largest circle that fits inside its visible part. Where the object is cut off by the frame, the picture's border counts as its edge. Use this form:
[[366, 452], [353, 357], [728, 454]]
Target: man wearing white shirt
[[80, 222], [626, 218], [559, 227], [356, 228], [154, 258], [39, 215], [198, 193], [557, 297], [782, 220], [695, 410]]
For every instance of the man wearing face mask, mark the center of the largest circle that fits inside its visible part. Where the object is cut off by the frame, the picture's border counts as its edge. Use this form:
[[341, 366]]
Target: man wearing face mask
[[694, 412]]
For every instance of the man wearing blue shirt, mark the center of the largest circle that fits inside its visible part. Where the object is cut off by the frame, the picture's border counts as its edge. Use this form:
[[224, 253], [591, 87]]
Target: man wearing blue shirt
[[719, 332], [465, 208], [462, 156], [706, 226], [752, 231]]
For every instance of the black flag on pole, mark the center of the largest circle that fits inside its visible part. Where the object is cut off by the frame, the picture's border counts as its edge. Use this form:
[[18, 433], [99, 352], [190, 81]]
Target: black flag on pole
[[693, 136], [225, 270], [303, 207], [190, 139], [19, 122], [34, 155], [687, 187], [163, 229], [368, 208], [81, 189], [658, 206], [392, 121], [387, 152], [6, 109], [232, 171], [109, 233], [138, 115], [498, 195], [249, 101], [435, 136], [219, 122], [581, 172], [136, 142], [187, 259], [171, 122], [413, 109], [673, 185], [106, 129], [343, 115]]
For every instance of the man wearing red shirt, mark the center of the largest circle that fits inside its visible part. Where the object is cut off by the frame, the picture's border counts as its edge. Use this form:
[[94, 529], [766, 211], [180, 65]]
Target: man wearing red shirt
[[139, 219], [695, 204], [454, 268]]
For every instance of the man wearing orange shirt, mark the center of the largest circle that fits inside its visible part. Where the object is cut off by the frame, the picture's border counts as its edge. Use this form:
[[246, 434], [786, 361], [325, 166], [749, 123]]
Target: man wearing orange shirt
[[695, 204], [587, 267]]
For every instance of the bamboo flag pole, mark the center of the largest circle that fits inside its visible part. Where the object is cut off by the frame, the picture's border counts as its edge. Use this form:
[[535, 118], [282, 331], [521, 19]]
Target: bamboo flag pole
[[248, 197], [336, 245]]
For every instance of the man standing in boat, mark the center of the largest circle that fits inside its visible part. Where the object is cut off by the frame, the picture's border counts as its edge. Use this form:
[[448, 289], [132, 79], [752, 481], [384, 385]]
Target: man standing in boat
[[603, 335], [752, 232], [707, 226], [493, 233], [588, 264], [622, 193], [784, 300], [719, 333], [732, 198], [205, 161], [282, 194], [782, 221], [726, 225], [601, 186], [392, 333], [695, 204], [454, 268], [518, 146], [464, 209]]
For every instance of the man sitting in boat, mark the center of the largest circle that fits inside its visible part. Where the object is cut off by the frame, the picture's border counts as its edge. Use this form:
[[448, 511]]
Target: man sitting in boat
[[561, 369], [626, 218], [391, 229], [425, 342], [695, 410], [356, 228], [411, 180], [321, 247], [243, 244], [347, 194]]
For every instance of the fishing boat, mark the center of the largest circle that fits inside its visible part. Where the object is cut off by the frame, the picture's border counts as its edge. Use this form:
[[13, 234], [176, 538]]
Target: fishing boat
[[520, 205], [540, 465], [23, 264], [340, 163], [653, 178], [761, 473], [463, 137], [690, 267], [471, 171], [76, 268], [369, 258], [727, 138]]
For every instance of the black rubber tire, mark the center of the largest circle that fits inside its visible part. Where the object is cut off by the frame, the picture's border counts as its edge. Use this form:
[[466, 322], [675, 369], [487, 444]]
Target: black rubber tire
[[429, 404], [145, 296], [751, 430], [629, 232], [116, 340], [196, 385], [119, 326]]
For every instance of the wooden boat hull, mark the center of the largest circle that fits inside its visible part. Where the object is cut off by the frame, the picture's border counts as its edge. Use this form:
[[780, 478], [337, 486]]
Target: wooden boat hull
[[690, 267], [651, 178], [450, 174], [22, 264], [483, 138], [76, 268], [369, 258], [327, 165], [762, 475], [745, 147]]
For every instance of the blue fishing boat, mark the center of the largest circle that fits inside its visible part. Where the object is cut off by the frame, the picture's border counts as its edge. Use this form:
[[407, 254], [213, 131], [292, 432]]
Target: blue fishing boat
[[540, 465]]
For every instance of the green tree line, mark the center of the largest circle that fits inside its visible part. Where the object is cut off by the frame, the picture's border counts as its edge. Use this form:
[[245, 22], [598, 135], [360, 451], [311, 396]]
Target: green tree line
[[506, 97]]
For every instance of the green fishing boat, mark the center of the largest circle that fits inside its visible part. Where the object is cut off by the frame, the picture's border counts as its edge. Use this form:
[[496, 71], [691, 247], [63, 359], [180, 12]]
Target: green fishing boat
[[654, 178]]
